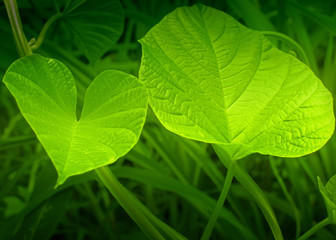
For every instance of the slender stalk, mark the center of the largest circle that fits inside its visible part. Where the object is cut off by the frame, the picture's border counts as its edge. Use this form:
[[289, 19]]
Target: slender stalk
[[122, 196], [161, 225], [135, 209], [314, 229], [288, 196], [15, 21], [220, 203], [165, 157], [304, 39], [290, 42], [256, 193], [44, 30]]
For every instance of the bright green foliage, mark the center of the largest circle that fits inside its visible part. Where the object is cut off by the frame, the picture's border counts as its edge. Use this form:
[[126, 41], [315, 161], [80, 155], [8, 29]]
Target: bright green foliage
[[212, 79], [94, 24], [112, 118], [329, 195]]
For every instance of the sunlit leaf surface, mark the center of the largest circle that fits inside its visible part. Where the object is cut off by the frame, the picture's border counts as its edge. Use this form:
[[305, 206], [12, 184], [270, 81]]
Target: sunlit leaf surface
[[112, 118], [212, 79]]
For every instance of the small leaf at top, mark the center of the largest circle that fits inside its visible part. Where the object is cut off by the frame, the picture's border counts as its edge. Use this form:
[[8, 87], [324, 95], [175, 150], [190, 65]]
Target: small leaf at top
[[112, 118], [212, 79], [94, 25], [329, 195]]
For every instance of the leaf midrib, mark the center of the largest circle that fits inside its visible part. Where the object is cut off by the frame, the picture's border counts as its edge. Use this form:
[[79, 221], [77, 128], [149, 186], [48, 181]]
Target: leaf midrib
[[73, 131], [210, 120]]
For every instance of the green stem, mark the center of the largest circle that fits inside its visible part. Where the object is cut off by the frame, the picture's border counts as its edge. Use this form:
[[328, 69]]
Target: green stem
[[256, 193], [165, 157], [44, 30], [287, 195], [94, 202], [303, 38], [220, 203], [290, 42], [15, 21], [122, 196], [161, 225], [135, 209], [314, 229]]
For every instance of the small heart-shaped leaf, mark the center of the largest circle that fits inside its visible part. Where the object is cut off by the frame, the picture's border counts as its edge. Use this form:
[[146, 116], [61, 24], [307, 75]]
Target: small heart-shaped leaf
[[212, 79], [329, 195], [112, 118]]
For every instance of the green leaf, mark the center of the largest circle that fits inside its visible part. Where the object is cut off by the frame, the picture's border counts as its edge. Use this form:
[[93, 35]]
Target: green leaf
[[329, 195], [329, 23], [94, 25], [211, 79], [13, 206], [15, 142], [112, 117], [42, 221]]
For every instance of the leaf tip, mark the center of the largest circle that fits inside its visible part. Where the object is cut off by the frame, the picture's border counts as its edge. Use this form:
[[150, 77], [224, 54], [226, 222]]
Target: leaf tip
[[60, 180]]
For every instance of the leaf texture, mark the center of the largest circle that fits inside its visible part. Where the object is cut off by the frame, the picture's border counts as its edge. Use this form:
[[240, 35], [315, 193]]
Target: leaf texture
[[112, 118], [212, 79]]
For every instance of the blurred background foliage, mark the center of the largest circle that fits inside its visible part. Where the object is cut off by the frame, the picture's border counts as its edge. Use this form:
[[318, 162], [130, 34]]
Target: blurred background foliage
[[177, 179]]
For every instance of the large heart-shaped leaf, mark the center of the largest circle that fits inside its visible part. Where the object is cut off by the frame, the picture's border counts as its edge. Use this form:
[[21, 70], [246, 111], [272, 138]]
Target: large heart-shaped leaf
[[212, 79], [94, 25], [113, 114], [329, 195]]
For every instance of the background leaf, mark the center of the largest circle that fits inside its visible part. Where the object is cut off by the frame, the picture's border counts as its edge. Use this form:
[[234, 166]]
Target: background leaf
[[112, 118], [329, 195], [42, 213], [94, 25], [213, 80]]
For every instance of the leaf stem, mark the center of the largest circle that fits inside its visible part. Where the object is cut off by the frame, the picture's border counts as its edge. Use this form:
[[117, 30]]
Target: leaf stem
[[256, 193], [165, 157], [135, 209], [220, 203], [122, 196], [314, 229], [15, 21], [287, 195], [35, 45], [290, 42]]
